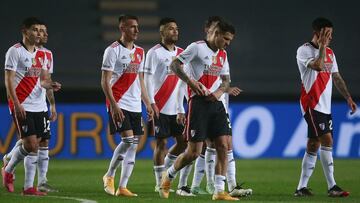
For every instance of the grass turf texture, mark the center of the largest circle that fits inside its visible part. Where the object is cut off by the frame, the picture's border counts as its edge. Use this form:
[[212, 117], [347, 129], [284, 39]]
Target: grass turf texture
[[272, 180]]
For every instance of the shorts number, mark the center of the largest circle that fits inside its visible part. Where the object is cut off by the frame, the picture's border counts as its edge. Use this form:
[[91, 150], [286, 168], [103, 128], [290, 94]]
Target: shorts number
[[330, 125], [46, 125]]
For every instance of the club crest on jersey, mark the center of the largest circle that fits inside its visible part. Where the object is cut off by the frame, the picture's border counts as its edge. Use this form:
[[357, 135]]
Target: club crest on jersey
[[33, 61], [132, 57], [214, 60], [322, 126]]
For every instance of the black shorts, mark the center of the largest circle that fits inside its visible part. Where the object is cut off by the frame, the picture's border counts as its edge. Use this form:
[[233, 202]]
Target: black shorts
[[318, 123], [166, 126], [35, 123], [133, 121], [206, 119]]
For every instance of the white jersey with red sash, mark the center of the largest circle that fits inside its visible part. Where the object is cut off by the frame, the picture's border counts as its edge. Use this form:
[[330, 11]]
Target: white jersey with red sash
[[28, 68], [125, 65], [166, 83], [316, 85], [205, 65]]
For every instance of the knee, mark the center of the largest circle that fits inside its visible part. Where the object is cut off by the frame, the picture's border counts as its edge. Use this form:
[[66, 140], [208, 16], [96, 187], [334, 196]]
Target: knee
[[161, 144], [31, 146], [313, 145], [327, 140], [193, 154], [222, 147], [44, 143]]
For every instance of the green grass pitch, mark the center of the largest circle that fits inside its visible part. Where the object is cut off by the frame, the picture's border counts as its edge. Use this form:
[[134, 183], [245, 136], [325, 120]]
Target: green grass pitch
[[272, 180]]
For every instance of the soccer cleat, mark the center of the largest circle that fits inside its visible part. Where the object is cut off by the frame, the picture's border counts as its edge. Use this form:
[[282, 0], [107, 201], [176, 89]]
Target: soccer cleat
[[8, 180], [184, 191], [303, 192], [210, 188], [224, 196], [165, 186], [33, 192], [5, 163], [45, 187], [125, 192], [109, 184], [239, 191], [336, 191], [198, 191]]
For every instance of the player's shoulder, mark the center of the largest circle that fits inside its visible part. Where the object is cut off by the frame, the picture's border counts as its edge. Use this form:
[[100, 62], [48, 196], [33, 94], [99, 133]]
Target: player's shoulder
[[329, 50], [179, 49], [15, 49], [114, 45], [17, 45], [200, 42], [154, 49], [306, 47], [46, 50]]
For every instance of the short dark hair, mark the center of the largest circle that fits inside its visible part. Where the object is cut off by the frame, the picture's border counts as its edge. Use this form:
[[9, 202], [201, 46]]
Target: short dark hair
[[30, 21], [320, 23], [225, 27], [42, 23], [166, 20], [126, 17], [211, 20]]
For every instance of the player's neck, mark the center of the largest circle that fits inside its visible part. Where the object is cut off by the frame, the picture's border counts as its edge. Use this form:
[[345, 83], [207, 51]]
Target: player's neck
[[30, 47], [127, 44], [211, 44], [314, 41], [168, 46]]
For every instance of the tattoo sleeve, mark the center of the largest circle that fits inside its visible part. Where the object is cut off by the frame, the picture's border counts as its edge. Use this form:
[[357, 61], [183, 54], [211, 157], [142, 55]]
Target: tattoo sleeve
[[340, 85], [50, 97], [224, 86], [318, 63], [175, 66]]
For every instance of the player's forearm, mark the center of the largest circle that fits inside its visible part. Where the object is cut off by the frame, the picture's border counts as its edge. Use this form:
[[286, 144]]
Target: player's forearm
[[10, 87], [50, 96], [318, 63], [225, 84], [105, 85], [176, 67], [340, 85], [144, 94], [149, 84]]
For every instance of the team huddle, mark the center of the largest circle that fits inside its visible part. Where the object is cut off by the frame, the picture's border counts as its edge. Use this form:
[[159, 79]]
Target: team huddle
[[161, 79]]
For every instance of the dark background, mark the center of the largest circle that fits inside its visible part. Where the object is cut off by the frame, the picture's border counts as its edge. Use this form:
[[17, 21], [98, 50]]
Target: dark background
[[262, 55]]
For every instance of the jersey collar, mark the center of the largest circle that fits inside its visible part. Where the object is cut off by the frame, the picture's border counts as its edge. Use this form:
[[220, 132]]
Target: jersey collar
[[314, 45]]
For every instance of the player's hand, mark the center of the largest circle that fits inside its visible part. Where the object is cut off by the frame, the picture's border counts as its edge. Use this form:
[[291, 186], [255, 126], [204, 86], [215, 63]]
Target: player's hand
[[324, 37], [234, 91], [197, 87], [181, 119], [150, 112], [352, 105], [56, 86], [215, 96], [155, 109], [117, 114], [19, 112], [53, 114]]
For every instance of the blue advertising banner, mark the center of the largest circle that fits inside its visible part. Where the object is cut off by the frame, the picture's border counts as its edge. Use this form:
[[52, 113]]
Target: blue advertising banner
[[260, 130]]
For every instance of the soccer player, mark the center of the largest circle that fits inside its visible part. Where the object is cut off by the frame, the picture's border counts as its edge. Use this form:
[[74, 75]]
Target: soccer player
[[123, 86], [163, 89], [207, 161], [26, 73], [318, 70], [43, 153], [207, 60]]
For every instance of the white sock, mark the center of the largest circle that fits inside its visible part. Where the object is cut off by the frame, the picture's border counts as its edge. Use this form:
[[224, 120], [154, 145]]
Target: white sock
[[128, 164], [169, 160], [219, 184], [17, 144], [43, 164], [327, 163], [184, 174], [172, 172], [231, 171], [30, 163], [118, 155], [18, 155], [158, 170], [199, 171], [307, 168], [210, 159]]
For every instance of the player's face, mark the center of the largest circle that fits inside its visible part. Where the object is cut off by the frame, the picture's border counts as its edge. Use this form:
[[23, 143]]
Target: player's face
[[222, 40], [171, 32], [130, 29], [33, 34], [43, 34]]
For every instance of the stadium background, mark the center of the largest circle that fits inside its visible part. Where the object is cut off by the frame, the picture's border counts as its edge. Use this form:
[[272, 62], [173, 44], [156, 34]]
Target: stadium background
[[266, 118]]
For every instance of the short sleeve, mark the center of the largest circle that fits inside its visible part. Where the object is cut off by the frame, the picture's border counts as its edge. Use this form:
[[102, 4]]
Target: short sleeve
[[141, 68], [335, 68], [50, 64], [11, 59], [226, 69], [109, 59], [151, 62], [189, 53], [304, 55]]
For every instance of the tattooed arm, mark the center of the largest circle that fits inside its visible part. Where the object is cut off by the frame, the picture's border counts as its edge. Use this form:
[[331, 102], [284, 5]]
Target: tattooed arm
[[341, 86], [176, 67], [324, 37]]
